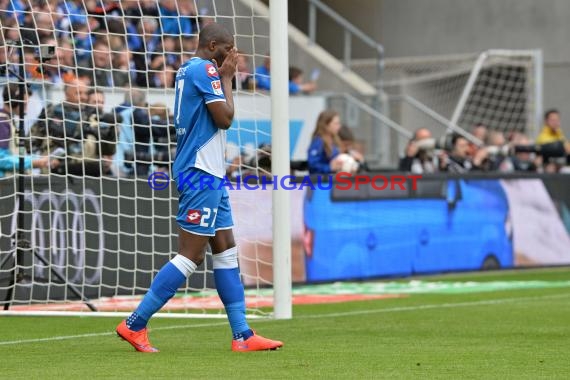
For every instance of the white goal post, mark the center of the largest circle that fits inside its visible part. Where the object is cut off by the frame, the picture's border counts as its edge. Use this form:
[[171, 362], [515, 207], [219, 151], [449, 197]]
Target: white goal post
[[499, 88], [88, 241], [528, 60]]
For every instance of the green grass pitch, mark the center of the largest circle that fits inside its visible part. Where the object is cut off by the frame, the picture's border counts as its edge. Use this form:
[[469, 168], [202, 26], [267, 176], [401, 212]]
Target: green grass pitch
[[515, 334]]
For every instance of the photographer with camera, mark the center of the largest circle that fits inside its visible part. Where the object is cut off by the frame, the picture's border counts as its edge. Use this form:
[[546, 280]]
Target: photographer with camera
[[419, 156], [163, 137], [458, 159], [155, 138], [521, 161], [495, 155], [77, 129], [9, 159], [104, 125]]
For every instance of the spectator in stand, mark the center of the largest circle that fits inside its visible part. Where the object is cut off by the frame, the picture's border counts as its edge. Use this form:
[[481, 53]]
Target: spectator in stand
[[495, 152], [551, 131], [188, 47], [107, 139], [96, 99], [38, 26], [133, 11], [16, 10], [83, 44], [262, 75], [418, 160], [522, 161], [349, 145], [458, 160], [325, 146], [297, 85], [124, 71], [149, 40], [9, 159], [171, 51], [479, 131], [163, 77], [99, 69], [11, 30], [167, 54], [74, 127], [73, 13], [177, 19], [56, 122]]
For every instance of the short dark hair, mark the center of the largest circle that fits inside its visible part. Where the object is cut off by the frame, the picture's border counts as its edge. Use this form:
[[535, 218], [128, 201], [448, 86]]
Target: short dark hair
[[213, 32], [294, 72], [549, 112], [345, 133], [454, 138]]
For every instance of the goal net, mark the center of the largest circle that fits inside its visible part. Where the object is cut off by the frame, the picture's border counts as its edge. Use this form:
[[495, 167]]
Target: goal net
[[92, 219], [498, 88]]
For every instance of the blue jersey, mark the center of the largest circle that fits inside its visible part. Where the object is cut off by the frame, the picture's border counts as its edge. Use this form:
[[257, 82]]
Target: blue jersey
[[200, 144], [318, 161]]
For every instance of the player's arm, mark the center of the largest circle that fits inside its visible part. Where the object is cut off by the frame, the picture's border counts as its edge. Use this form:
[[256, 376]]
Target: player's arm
[[223, 112]]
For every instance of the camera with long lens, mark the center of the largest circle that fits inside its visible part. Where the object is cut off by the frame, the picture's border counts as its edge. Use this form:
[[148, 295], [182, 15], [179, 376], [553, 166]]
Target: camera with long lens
[[550, 150], [554, 149], [431, 144], [72, 123], [164, 146], [106, 133], [71, 132], [502, 150]]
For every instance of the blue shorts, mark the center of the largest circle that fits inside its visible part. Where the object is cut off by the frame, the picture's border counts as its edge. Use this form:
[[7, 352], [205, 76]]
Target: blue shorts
[[203, 205]]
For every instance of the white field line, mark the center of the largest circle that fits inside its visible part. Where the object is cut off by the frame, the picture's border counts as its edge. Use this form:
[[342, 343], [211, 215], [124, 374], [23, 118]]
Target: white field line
[[329, 315]]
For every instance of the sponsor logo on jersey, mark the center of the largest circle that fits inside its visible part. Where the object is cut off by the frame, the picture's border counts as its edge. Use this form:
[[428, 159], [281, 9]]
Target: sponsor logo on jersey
[[211, 70], [193, 216], [217, 87]]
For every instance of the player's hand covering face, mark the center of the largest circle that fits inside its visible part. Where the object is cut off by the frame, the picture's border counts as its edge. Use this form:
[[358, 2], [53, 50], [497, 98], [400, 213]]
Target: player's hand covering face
[[226, 55]]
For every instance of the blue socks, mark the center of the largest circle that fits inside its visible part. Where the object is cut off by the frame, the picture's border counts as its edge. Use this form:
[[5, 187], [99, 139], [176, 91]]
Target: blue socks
[[231, 292], [162, 289], [174, 274]]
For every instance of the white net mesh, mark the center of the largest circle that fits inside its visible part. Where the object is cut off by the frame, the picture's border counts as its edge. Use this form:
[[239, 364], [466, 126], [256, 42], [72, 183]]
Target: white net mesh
[[501, 95], [98, 121]]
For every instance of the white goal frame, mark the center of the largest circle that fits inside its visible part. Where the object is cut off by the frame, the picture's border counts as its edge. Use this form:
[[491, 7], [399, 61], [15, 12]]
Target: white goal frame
[[535, 115], [281, 210]]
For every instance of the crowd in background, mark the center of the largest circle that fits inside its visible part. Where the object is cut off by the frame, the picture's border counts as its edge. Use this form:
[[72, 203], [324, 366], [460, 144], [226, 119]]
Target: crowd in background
[[498, 151], [141, 44], [451, 153], [78, 137], [106, 43], [126, 43]]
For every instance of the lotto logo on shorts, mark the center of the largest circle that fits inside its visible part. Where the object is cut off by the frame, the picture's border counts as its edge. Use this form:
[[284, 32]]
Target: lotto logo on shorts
[[211, 70], [217, 87], [193, 216]]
